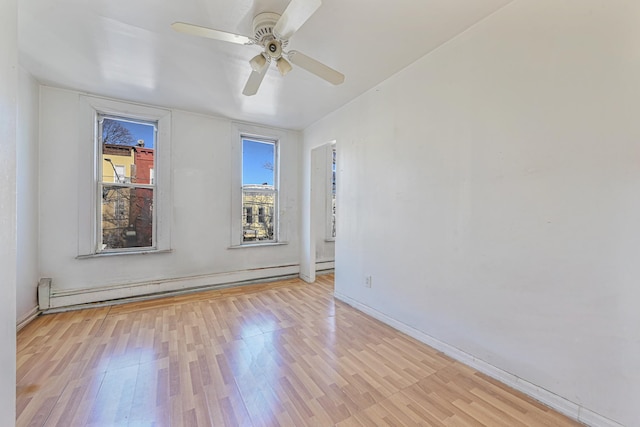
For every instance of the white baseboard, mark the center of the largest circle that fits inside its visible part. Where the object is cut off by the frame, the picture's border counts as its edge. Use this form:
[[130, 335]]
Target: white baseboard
[[322, 266], [64, 298], [591, 418], [544, 396], [58, 298], [24, 320]]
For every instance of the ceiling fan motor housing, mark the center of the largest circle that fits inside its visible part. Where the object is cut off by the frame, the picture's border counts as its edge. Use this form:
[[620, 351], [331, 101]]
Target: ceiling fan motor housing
[[263, 24]]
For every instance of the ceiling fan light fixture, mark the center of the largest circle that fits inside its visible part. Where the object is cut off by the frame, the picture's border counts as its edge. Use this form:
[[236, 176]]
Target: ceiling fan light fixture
[[283, 66], [258, 63]]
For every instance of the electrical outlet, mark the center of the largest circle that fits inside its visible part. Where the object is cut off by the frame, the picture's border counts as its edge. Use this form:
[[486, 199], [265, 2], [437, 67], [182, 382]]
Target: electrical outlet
[[367, 281]]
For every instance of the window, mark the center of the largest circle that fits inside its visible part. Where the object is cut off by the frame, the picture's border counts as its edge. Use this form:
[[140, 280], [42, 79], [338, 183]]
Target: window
[[97, 176], [259, 189], [333, 191], [119, 174], [119, 207], [331, 199], [126, 187], [256, 183]]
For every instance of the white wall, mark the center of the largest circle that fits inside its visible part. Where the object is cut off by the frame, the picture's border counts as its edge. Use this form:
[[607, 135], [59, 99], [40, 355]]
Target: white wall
[[27, 196], [201, 149], [492, 190], [8, 111]]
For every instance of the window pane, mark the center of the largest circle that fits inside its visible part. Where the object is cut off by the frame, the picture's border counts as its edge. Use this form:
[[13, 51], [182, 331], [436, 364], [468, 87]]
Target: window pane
[[127, 217], [127, 151], [260, 227], [258, 162], [121, 131]]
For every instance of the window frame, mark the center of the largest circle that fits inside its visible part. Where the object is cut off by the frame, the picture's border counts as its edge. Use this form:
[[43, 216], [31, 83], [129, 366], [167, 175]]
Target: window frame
[[89, 174], [121, 182], [264, 191], [239, 132]]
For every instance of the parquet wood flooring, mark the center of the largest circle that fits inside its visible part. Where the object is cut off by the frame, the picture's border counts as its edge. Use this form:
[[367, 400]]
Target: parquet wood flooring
[[281, 354]]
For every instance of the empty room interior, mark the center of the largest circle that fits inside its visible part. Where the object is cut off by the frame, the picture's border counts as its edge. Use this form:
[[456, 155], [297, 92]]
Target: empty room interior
[[305, 212]]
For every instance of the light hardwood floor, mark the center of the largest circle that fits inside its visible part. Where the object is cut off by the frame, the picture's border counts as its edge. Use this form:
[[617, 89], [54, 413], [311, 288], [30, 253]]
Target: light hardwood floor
[[264, 355]]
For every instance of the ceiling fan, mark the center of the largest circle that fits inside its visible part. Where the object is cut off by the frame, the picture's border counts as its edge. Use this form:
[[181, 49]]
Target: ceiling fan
[[272, 32]]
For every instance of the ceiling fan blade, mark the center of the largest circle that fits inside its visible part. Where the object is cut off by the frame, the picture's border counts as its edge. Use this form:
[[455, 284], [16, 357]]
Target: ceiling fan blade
[[294, 16], [315, 67], [255, 79], [210, 33]]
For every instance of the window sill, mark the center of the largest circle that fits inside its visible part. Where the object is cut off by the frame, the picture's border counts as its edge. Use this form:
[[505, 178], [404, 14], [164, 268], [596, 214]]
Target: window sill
[[258, 245], [110, 254]]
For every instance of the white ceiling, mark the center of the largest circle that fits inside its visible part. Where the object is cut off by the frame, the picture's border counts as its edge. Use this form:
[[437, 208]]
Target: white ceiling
[[126, 49]]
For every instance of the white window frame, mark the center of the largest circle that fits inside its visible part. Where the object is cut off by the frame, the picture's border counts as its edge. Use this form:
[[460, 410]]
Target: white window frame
[[274, 191], [89, 170], [123, 182], [258, 133]]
